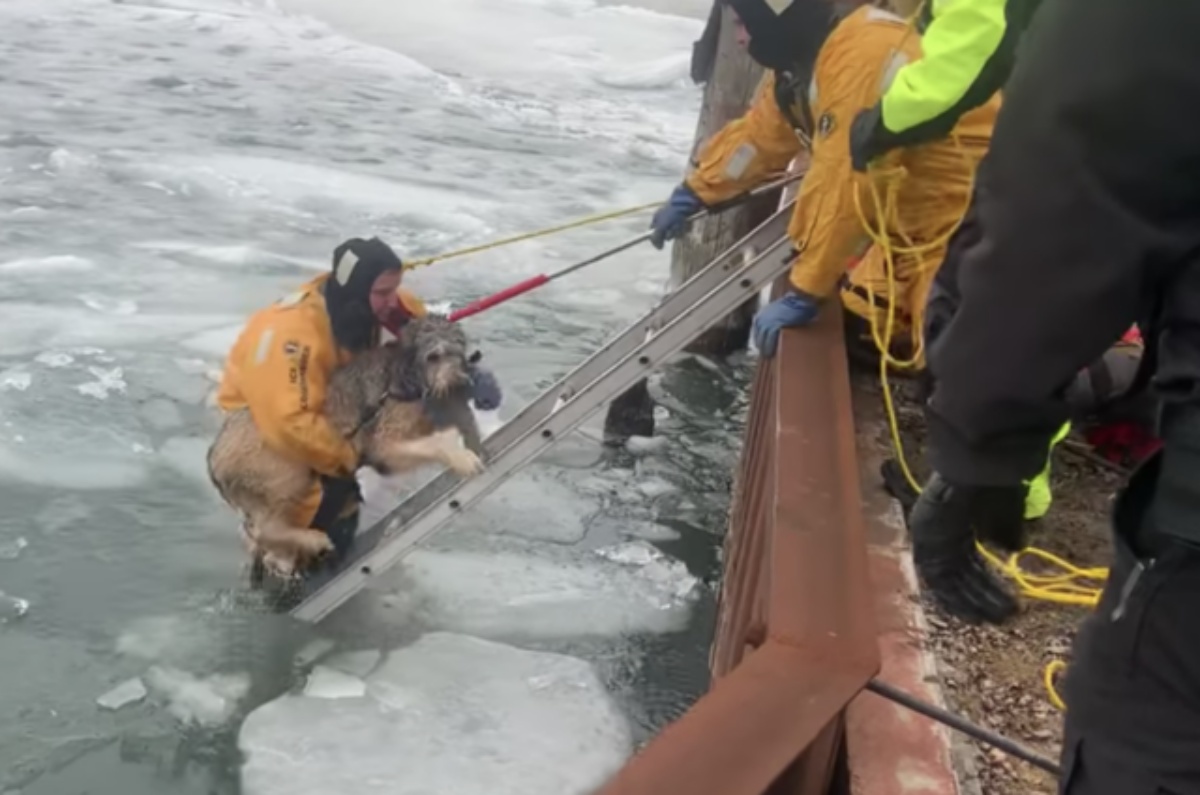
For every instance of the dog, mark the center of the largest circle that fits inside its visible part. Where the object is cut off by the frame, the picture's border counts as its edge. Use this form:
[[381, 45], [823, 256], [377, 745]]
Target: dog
[[400, 405]]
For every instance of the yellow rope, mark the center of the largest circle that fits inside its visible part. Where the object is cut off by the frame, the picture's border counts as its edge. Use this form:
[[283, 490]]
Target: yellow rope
[[780, 178], [1073, 585], [591, 219]]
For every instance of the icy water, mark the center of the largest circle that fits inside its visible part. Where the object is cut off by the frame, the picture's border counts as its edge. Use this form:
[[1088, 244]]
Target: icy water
[[168, 166]]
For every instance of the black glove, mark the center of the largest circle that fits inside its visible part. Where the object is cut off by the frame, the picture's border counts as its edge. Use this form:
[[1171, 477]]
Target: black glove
[[895, 482], [943, 523], [869, 138]]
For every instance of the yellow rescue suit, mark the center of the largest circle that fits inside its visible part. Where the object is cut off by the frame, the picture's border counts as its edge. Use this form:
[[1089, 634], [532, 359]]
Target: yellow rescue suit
[[279, 368], [931, 183]]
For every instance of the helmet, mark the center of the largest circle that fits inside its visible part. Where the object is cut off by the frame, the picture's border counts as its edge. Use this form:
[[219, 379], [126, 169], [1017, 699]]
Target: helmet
[[786, 35], [357, 263]]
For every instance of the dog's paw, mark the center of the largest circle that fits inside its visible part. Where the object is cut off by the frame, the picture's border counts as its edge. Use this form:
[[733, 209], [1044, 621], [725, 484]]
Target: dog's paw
[[280, 566], [311, 543], [465, 463]]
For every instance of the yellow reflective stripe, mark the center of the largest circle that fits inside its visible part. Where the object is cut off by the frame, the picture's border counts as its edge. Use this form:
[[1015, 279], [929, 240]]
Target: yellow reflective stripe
[[956, 46]]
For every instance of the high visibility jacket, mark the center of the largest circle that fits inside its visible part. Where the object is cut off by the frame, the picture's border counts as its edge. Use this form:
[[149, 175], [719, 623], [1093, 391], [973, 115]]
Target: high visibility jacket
[[968, 49], [851, 70], [1037, 491], [279, 369]]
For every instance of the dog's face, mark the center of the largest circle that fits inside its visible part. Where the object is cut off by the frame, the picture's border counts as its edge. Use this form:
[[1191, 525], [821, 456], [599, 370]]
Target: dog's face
[[439, 354]]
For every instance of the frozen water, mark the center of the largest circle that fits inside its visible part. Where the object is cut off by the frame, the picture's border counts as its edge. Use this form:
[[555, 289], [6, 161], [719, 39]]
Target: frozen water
[[655, 487], [509, 595], [161, 414], [331, 683], [11, 549], [207, 702], [446, 714], [128, 692], [16, 378], [670, 576], [174, 640], [356, 663], [12, 607], [188, 457], [534, 504], [167, 167], [43, 267], [645, 445]]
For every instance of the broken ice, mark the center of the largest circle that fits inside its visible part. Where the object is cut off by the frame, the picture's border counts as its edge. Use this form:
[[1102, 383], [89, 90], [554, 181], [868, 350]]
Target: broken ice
[[207, 702], [129, 692], [12, 607], [503, 595], [672, 575], [329, 683], [356, 663], [448, 714], [11, 550]]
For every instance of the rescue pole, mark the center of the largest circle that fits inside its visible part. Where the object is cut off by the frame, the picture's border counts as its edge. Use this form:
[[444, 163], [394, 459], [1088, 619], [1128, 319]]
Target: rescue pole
[[534, 282]]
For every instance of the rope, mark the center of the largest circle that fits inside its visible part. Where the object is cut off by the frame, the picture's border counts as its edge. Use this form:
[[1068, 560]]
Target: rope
[[1072, 585], [588, 221], [769, 182]]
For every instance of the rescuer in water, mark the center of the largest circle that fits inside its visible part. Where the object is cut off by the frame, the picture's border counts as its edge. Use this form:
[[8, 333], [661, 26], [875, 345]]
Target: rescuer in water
[[823, 72], [1088, 213], [333, 317]]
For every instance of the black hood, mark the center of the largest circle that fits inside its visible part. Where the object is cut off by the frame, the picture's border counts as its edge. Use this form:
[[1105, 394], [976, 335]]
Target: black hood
[[789, 39], [357, 263]]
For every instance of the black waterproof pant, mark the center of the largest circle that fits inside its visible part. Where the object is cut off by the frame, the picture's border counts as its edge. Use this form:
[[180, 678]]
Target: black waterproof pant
[[333, 515], [1133, 688]]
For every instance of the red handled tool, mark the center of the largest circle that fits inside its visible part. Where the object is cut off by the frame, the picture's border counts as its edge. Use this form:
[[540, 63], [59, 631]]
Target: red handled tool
[[532, 283]]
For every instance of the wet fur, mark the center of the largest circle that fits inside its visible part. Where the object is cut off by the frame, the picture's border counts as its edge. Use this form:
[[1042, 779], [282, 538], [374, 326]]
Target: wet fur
[[401, 405]]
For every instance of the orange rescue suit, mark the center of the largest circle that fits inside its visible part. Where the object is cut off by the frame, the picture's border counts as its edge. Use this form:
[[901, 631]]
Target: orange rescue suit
[[853, 68], [279, 368]]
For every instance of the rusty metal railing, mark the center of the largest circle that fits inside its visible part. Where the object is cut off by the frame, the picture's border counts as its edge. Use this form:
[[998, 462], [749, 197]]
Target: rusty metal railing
[[795, 640]]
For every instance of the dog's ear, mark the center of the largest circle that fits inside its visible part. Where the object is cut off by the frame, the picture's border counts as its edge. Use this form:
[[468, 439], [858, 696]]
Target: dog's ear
[[475, 357], [405, 381]]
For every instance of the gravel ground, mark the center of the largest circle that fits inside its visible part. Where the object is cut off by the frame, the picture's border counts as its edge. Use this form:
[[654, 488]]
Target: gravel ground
[[994, 675]]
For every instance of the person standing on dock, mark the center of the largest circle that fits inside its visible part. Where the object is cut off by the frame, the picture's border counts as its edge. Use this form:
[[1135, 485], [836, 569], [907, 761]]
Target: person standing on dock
[[822, 72], [968, 50], [1088, 220]]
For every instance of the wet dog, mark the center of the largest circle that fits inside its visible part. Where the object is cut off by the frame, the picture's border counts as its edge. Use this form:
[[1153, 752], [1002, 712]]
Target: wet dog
[[400, 405]]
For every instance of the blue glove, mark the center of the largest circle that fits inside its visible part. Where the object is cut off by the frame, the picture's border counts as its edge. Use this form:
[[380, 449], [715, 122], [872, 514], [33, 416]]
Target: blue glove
[[667, 222], [791, 310], [485, 389]]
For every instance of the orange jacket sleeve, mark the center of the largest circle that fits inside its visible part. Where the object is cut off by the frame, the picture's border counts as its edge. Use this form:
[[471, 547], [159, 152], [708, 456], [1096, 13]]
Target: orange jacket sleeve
[[849, 76], [412, 304], [745, 152], [284, 370]]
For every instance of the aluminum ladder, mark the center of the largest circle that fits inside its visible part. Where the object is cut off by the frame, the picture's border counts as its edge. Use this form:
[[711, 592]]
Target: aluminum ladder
[[680, 317]]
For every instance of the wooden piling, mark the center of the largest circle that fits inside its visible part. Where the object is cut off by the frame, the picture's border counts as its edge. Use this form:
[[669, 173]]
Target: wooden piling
[[731, 78]]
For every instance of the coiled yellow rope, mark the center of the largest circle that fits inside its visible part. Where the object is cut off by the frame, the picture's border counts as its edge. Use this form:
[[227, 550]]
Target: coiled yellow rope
[[1073, 585]]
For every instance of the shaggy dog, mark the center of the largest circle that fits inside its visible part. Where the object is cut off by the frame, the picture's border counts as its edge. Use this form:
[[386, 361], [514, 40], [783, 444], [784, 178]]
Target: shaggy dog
[[400, 405]]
